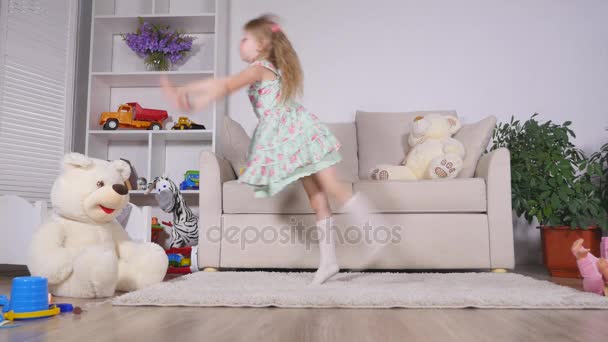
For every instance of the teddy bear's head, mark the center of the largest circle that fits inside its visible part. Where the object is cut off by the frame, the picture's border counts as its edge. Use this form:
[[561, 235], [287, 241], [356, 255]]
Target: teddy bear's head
[[90, 190], [434, 126]]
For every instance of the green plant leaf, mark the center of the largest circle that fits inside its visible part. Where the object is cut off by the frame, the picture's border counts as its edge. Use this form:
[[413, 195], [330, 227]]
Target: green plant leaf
[[552, 179]]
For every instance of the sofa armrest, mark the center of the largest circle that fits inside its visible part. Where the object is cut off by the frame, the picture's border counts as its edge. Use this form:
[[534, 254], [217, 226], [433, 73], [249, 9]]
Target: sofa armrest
[[214, 171], [495, 168]]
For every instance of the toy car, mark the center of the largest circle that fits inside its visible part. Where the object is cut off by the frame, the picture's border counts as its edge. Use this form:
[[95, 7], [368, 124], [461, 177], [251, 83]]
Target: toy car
[[190, 182], [184, 123], [132, 115]]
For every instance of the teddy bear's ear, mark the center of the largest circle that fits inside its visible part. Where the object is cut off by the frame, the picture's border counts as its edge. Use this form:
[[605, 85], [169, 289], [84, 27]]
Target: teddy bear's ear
[[454, 124], [122, 168], [76, 160]]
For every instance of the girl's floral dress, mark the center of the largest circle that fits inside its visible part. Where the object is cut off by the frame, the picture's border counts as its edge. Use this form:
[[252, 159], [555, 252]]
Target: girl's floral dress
[[288, 142]]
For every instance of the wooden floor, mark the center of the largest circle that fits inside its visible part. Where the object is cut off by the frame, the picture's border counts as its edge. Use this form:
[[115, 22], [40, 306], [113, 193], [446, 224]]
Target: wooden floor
[[102, 322]]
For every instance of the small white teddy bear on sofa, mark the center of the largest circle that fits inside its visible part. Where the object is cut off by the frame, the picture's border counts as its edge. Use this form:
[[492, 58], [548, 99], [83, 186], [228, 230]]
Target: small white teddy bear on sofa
[[433, 153], [82, 250]]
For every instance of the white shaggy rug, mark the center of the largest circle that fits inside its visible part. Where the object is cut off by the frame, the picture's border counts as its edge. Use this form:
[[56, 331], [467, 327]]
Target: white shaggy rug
[[363, 290]]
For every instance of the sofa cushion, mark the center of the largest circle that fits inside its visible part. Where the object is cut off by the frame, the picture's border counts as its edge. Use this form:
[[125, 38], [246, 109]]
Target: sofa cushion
[[382, 137], [475, 137], [439, 195], [346, 133], [238, 198], [235, 144]]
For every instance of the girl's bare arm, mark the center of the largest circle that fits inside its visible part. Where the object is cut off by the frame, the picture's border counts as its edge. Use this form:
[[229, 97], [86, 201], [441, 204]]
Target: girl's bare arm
[[198, 95]]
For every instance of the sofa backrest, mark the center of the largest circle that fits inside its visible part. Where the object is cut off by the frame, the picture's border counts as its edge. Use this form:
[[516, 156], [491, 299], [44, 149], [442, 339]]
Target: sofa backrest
[[346, 133], [382, 137], [373, 138]]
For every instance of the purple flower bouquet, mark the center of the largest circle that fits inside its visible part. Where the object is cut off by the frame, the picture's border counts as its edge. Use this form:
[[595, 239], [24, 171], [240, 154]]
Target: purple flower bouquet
[[158, 45]]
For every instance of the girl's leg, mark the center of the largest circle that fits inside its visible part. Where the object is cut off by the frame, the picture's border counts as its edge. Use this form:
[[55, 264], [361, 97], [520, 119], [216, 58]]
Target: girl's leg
[[359, 208], [328, 182], [328, 265], [356, 203], [317, 198]]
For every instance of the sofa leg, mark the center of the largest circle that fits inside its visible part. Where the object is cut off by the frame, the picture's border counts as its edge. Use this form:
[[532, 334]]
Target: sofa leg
[[499, 270], [209, 269]]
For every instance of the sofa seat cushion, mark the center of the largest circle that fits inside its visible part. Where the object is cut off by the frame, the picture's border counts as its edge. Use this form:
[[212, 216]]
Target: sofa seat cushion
[[442, 195], [238, 198]]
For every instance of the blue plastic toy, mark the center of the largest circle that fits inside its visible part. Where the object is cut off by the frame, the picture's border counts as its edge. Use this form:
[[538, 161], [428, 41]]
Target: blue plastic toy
[[29, 299], [65, 307], [190, 182]]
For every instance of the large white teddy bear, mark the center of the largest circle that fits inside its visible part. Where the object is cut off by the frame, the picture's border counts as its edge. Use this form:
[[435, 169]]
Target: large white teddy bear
[[433, 152], [81, 249]]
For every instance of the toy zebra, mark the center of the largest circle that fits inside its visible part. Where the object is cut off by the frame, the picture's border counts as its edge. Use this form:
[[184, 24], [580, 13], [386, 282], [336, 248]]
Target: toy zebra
[[185, 224]]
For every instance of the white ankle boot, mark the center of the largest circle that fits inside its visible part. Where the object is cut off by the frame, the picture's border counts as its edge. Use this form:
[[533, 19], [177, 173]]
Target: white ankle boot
[[328, 265]]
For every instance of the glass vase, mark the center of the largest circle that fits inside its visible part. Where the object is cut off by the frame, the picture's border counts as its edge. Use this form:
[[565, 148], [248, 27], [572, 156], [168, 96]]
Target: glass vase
[[157, 62]]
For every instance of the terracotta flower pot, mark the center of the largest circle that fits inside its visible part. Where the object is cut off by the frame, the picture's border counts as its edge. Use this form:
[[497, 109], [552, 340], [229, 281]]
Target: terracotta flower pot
[[557, 242]]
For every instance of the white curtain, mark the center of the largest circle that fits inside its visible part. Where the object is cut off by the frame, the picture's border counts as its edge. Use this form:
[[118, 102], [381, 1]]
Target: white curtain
[[37, 49]]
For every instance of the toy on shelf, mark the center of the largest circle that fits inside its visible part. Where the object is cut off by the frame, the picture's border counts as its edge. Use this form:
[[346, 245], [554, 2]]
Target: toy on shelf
[[184, 123], [142, 183], [30, 299], [179, 260], [131, 183], [190, 182], [184, 229], [132, 115], [156, 229]]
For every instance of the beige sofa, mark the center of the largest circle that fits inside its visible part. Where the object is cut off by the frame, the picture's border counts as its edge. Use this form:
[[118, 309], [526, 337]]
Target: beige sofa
[[462, 223]]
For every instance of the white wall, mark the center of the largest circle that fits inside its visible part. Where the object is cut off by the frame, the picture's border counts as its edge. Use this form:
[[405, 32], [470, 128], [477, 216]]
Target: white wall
[[479, 57]]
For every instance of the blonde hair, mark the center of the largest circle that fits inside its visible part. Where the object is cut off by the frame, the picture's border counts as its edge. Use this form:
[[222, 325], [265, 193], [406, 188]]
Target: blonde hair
[[277, 49]]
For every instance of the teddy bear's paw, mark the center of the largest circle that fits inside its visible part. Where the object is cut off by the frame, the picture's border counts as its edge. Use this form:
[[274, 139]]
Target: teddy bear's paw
[[446, 166], [379, 174], [445, 170]]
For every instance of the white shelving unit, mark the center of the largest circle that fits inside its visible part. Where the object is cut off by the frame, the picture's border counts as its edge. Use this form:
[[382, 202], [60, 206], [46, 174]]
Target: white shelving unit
[[117, 75]]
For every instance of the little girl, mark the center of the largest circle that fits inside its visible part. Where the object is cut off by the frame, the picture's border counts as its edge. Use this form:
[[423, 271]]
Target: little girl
[[593, 270], [289, 143]]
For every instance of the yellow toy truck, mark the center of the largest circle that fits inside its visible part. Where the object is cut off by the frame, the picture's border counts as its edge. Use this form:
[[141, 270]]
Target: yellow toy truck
[[184, 123]]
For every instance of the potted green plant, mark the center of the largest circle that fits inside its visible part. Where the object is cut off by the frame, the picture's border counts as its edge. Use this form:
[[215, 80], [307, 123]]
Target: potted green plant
[[599, 171], [548, 182]]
